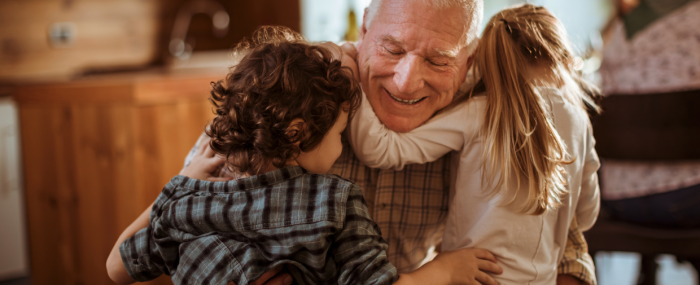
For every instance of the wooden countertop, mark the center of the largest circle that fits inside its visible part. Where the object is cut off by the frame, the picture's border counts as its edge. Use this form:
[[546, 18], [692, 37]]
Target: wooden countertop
[[153, 86]]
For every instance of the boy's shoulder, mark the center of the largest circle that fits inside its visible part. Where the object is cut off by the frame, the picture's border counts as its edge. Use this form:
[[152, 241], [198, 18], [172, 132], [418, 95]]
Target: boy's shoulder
[[339, 181], [329, 181], [333, 177], [289, 179]]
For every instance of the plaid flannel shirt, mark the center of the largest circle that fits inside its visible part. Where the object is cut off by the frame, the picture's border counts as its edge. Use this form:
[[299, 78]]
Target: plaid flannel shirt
[[204, 232], [410, 207]]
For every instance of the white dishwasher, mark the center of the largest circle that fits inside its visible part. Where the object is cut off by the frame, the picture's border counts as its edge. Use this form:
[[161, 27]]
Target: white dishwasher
[[14, 257]]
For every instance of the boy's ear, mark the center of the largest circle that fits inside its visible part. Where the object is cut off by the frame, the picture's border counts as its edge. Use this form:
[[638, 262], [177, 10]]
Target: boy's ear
[[294, 130]]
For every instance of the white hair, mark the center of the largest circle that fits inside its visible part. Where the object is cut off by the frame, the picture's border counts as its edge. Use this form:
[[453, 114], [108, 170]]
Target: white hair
[[473, 12]]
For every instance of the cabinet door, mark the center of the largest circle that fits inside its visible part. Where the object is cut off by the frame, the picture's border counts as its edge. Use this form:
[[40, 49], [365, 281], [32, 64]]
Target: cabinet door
[[90, 170]]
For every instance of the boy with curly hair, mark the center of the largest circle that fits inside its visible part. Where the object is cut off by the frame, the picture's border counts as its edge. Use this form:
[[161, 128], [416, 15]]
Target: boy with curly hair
[[280, 116]]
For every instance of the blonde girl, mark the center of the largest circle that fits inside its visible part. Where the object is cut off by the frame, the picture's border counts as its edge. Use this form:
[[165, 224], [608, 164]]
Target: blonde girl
[[524, 166]]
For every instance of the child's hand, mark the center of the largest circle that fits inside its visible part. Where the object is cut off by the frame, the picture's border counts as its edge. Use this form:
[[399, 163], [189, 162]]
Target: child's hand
[[205, 164], [346, 53], [468, 266]]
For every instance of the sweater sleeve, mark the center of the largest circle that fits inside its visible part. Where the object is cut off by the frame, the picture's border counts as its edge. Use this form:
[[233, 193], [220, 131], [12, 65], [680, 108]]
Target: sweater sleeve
[[379, 147], [589, 200], [359, 249]]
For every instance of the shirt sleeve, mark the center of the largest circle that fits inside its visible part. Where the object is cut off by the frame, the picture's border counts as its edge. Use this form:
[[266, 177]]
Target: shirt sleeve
[[379, 147], [577, 262], [360, 250], [141, 257], [589, 200]]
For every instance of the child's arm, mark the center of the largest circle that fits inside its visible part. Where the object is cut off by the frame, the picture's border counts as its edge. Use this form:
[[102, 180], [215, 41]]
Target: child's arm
[[379, 147], [360, 252], [201, 163], [115, 266], [462, 266]]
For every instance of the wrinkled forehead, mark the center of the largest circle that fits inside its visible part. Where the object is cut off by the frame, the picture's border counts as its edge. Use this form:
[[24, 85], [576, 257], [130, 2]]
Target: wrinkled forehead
[[463, 14]]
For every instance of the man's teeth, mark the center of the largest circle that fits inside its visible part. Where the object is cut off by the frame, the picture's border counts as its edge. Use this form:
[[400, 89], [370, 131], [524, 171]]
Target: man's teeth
[[406, 101]]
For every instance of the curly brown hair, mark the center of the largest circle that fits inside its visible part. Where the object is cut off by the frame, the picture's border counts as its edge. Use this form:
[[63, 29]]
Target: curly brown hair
[[281, 78]]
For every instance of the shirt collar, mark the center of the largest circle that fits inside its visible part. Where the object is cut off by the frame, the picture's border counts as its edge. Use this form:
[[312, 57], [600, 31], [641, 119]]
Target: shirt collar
[[241, 184]]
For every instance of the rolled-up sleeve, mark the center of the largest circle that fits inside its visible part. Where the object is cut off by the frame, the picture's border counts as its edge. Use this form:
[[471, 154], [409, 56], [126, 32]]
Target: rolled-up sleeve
[[141, 257], [577, 262]]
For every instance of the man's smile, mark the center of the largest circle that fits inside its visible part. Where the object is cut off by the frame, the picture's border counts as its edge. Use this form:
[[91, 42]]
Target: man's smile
[[402, 101]]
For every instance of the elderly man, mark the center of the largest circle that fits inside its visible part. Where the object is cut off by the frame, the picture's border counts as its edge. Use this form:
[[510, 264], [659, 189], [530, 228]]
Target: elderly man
[[412, 57]]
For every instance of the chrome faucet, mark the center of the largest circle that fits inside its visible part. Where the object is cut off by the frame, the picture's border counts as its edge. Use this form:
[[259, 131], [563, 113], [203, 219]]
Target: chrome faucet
[[179, 46]]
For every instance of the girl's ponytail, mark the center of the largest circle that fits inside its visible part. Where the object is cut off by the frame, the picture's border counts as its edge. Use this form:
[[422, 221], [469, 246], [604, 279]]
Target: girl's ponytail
[[520, 141]]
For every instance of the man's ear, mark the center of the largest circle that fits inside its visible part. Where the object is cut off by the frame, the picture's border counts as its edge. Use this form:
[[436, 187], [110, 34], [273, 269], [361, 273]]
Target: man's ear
[[363, 28], [294, 130]]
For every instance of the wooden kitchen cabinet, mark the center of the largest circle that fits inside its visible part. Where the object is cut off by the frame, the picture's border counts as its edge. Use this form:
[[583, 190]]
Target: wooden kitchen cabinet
[[96, 153]]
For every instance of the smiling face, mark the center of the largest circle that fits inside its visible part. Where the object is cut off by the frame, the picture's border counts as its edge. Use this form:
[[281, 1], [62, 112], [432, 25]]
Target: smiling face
[[411, 61]]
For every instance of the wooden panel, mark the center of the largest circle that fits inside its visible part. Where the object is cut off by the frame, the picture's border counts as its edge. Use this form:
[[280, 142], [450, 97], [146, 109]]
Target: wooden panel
[[48, 191], [116, 34], [109, 34], [165, 135], [75, 93], [90, 170], [146, 89], [102, 147], [175, 88]]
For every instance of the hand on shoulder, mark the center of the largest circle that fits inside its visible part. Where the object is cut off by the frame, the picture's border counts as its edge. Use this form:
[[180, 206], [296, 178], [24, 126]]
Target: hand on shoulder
[[205, 163], [347, 54]]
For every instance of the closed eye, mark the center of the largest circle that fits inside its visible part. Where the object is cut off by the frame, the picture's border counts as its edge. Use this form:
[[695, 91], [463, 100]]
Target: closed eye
[[392, 52], [438, 62]]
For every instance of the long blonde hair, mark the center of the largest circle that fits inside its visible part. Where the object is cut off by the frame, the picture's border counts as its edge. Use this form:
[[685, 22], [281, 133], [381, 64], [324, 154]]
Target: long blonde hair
[[521, 141]]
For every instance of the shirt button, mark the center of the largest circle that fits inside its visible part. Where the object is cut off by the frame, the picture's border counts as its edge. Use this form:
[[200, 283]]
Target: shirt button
[[383, 206]]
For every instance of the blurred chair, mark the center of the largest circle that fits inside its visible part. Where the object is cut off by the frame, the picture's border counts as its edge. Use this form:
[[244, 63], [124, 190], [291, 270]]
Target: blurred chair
[[650, 127], [609, 235]]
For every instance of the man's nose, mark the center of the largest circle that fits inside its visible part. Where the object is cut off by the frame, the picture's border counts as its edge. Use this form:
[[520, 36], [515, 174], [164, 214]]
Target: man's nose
[[408, 74]]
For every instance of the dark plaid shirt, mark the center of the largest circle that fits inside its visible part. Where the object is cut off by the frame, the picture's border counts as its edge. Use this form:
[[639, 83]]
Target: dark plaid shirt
[[204, 232]]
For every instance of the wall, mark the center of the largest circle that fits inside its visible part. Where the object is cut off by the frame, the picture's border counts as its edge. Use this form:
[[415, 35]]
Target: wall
[[114, 35], [104, 34], [582, 18]]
